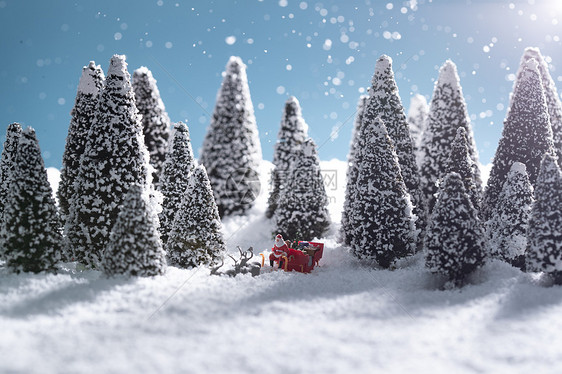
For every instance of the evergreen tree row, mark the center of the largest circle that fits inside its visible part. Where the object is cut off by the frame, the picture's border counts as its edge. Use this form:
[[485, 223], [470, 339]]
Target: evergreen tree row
[[465, 226]]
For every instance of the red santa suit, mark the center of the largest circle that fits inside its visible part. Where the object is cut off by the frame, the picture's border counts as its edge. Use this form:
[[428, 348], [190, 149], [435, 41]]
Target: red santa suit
[[279, 250]]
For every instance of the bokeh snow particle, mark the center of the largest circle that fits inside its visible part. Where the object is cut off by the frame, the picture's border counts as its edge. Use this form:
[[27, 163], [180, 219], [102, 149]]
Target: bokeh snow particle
[[117, 36], [303, 5], [283, 3], [61, 101], [168, 45], [230, 40], [280, 90]]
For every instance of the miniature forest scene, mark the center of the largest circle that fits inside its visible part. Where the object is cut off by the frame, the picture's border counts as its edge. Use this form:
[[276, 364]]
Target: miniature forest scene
[[281, 186]]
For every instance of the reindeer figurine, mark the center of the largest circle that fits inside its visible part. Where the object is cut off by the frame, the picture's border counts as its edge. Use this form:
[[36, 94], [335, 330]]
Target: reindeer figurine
[[241, 266]]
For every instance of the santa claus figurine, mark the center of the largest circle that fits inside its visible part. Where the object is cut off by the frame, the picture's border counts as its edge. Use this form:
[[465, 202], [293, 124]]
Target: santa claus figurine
[[279, 250]]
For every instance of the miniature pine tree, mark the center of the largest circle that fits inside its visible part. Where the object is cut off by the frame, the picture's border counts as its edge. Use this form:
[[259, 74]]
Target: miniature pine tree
[[196, 237], [155, 120], [91, 83], [114, 159], [174, 178], [347, 225], [231, 151], [384, 102], [461, 163], [7, 166], [302, 209], [134, 247], [507, 229], [381, 209], [292, 134], [417, 120], [31, 230], [526, 136], [454, 242], [447, 112], [551, 94], [544, 235]]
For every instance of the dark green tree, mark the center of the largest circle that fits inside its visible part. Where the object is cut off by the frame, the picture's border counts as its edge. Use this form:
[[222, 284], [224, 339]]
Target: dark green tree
[[82, 116], [461, 163], [115, 158], [134, 247], [447, 112], [31, 230], [506, 231], [7, 167], [526, 136], [292, 133], [381, 209], [196, 237], [176, 172], [302, 209], [454, 242], [347, 226], [155, 120], [384, 102], [544, 237], [551, 94], [231, 151]]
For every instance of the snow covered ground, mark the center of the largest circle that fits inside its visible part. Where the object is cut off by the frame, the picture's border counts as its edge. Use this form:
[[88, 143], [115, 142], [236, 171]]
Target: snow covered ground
[[345, 316]]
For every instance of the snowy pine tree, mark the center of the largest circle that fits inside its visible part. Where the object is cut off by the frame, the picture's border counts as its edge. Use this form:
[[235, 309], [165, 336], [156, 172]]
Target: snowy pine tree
[[7, 167], [381, 208], [544, 235], [461, 163], [302, 210], [91, 83], [417, 120], [551, 94], [155, 120], [447, 112], [526, 136], [31, 229], [507, 229], [231, 151], [176, 172], [134, 247], [115, 158], [347, 226], [292, 134], [384, 102], [196, 237], [454, 242]]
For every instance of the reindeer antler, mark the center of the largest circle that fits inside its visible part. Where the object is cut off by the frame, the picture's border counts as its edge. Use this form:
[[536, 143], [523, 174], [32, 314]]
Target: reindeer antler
[[215, 268]]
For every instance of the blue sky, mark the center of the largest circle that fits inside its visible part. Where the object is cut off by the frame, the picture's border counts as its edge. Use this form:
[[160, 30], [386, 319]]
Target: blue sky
[[322, 52]]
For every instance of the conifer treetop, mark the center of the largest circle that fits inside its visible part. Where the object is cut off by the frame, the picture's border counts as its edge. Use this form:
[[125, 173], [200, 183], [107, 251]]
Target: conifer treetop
[[448, 75], [118, 68], [90, 82]]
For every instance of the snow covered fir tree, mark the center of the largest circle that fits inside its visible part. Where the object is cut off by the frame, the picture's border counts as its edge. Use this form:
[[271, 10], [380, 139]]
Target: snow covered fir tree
[[115, 158], [461, 163], [302, 209], [7, 166], [231, 151], [82, 116], [134, 247], [544, 235], [454, 241], [174, 179], [155, 120], [384, 102], [31, 237], [526, 135], [417, 121], [506, 231], [196, 237], [346, 231], [381, 210], [551, 94], [447, 112], [292, 133]]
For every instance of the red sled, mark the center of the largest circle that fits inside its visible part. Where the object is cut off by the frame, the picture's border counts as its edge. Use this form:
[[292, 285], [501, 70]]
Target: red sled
[[303, 260]]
